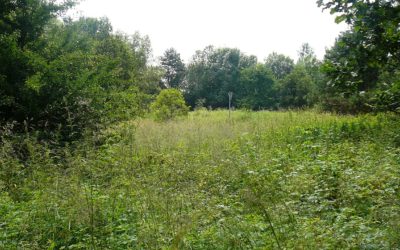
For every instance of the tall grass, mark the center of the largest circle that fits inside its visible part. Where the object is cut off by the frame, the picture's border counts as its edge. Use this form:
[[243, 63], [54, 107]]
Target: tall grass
[[260, 180]]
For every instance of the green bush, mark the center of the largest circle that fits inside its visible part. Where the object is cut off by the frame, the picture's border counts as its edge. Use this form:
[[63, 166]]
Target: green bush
[[169, 104]]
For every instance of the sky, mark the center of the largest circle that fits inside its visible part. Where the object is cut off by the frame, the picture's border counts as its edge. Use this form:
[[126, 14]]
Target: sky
[[256, 27]]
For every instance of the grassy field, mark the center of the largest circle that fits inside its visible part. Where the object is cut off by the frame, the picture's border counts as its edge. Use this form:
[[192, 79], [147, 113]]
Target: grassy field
[[257, 180]]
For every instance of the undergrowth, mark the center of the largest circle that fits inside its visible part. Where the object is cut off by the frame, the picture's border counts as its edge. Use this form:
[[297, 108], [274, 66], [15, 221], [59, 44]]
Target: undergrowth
[[257, 180]]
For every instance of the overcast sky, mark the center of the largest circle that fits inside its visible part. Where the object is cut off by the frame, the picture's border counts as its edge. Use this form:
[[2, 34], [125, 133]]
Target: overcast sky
[[256, 27]]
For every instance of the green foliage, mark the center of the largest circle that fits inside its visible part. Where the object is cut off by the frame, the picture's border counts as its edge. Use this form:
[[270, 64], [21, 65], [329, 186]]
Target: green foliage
[[364, 55], [14, 64], [21, 24], [279, 83], [387, 97], [308, 59], [256, 88], [169, 104], [357, 79], [213, 73], [350, 66], [265, 179], [76, 172], [280, 65], [27, 19], [74, 75], [174, 69], [88, 76], [297, 89]]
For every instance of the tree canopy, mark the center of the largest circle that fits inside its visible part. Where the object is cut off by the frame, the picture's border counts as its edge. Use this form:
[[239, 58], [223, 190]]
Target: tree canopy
[[363, 65], [56, 72], [174, 68], [279, 64]]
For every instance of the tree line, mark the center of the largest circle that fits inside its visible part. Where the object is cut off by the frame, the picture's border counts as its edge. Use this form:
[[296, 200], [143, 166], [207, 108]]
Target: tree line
[[212, 73], [77, 73]]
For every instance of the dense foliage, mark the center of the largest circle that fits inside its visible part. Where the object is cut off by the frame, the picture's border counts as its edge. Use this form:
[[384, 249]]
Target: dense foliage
[[168, 105], [75, 73], [279, 64], [265, 180], [70, 75], [22, 23], [213, 73], [174, 68], [363, 66], [91, 156]]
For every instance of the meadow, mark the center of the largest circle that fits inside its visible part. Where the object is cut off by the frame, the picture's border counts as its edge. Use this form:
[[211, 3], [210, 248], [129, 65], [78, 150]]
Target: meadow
[[255, 180]]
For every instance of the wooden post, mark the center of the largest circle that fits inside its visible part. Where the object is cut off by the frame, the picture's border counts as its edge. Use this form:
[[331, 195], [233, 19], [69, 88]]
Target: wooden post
[[230, 94]]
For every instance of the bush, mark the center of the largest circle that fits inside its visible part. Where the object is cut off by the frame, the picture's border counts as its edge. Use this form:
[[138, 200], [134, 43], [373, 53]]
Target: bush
[[169, 104]]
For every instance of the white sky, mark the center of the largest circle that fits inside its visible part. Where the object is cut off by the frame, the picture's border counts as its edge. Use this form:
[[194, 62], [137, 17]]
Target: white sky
[[256, 27]]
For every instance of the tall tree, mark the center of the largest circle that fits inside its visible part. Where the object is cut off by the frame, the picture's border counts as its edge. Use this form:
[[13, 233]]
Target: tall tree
[[141, 46], [213, 73], [95, 68], [360, 63], [375, 21], [297, 89], [307, 56], [174, 68], [22, 22], [256, 88], [279, 64], [312, 65], [27, 18]]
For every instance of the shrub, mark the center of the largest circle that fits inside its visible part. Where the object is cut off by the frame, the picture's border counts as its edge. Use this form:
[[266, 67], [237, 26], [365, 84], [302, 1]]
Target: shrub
[[169, 104]]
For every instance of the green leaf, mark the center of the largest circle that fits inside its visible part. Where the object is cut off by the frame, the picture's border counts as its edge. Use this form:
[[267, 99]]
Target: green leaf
[[340, 18]]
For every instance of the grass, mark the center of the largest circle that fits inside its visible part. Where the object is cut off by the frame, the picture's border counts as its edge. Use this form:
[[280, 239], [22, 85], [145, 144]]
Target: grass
[[260, 180]]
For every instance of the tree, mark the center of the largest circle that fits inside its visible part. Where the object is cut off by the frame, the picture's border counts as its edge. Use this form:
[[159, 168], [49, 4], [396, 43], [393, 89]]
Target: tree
[[213, 73], [75, 75], [279, 64], [256, 88], [297, 89], [28, 18], [307, 56], [22, 23], [359, 64], [352, 72], [169, 104], [375, 21], [141, 46], [174, 69], [348, 65], [312, 65], [89, 65]]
